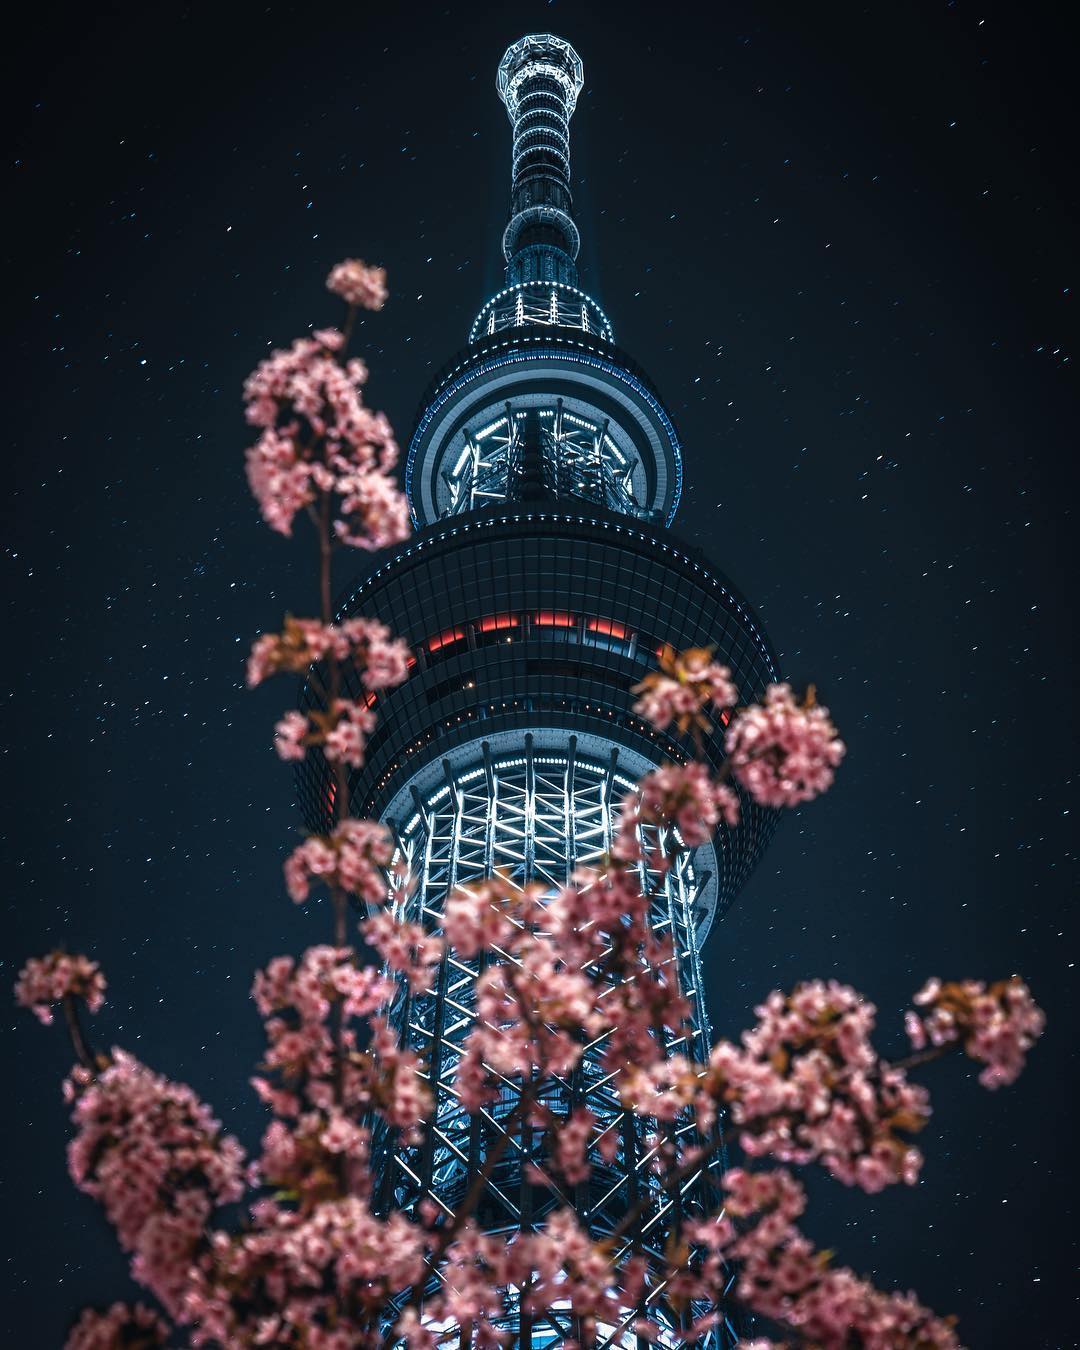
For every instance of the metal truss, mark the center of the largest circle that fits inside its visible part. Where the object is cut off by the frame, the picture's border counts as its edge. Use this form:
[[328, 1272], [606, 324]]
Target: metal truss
[[581, 460], [536, 817], [545, 304], [489, 461], [576, 458]]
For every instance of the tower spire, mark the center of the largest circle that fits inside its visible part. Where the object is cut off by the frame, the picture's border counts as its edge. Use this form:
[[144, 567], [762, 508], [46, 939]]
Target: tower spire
[[539, 79]]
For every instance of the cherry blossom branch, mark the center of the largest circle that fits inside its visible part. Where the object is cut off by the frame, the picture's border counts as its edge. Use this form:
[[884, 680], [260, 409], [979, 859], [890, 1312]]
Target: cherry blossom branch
[[81, 1046]]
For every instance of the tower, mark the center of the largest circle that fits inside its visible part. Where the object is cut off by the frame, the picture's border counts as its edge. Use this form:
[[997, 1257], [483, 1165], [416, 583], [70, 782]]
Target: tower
[[541, 585]]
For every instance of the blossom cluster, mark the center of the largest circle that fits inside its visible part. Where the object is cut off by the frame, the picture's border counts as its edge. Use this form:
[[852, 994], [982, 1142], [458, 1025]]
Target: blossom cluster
[[680, 797], [559, 1265], [686, 685], [150, 1152], [784, 752], [364, 644], [341, 726], [404, 947], [119, 1327], [806, 1085], [996, 1025], [341, 731], [316, 1279], [535, 1003], [358, 284], [353, 858], [319, 1082], [783, 1278], [316, 436], [47, 980], [568, 969]]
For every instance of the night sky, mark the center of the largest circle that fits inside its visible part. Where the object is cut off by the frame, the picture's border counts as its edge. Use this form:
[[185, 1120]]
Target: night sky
[[837, 238]]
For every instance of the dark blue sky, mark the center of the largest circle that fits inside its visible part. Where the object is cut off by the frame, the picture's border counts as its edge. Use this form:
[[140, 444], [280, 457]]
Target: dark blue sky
[[838, 238]]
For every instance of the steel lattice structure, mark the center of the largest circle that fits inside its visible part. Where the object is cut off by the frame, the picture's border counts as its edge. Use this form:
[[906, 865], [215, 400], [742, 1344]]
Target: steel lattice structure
[[541, 586], [575, 456], [534, 816]]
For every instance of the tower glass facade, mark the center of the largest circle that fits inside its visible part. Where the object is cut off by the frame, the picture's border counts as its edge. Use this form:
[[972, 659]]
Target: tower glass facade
[[541, 585]]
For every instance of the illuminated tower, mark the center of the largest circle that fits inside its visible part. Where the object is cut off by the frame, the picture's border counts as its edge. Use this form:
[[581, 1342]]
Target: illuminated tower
[[540, 586]]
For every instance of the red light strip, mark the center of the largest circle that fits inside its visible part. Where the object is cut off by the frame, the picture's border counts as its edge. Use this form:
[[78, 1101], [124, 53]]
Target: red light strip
[[494, 622], [608, 627], [445, 639]]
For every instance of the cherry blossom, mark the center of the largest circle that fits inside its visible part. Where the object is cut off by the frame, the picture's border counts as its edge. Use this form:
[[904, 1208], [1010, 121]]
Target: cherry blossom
[[479, 917], [358, 284], [352, 858], [323, 976], [47, 980], [572, 1136], [784, 752], [312, 1280], [806, 1085], [342, 732], [155, 1158], [782, 1277], [405, 947], [318, 444], [317, 437], [373, 513], [121, 1327], [686, 685], [365, 644], [350, 724], [679, 796], [995, 1025], [289, 736], [313, 1067]]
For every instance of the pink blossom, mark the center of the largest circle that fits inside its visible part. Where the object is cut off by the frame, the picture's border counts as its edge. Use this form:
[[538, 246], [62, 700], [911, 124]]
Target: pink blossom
[[996, 1025], [353, 857], [289, 736], [302, 1082], [47, 980], [364, 644], [783, 752], [383, 661], [405, 948], [346, 740], [478, 918], [807, 1086], [313, 1279], [572, 1137], [324, 975], [151, 1153], [687, 683], [678, 796], [316, 436], [358, 284], [373, 513], [279, 478], [136, 1327], [404, 1097], [413, 1332], [782, 1277]]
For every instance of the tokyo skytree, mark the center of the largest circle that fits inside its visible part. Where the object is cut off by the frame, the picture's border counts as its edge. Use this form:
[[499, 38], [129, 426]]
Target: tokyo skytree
[[542, 583]]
